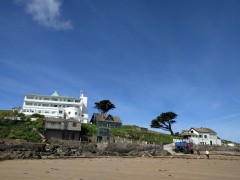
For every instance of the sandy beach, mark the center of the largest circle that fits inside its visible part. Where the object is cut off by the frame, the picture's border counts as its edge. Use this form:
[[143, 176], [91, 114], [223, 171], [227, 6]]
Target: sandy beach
[[121, 168]]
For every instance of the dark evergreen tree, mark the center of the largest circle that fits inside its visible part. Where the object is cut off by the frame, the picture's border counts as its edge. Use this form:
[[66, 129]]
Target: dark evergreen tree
[[164, 121], [104, 106]]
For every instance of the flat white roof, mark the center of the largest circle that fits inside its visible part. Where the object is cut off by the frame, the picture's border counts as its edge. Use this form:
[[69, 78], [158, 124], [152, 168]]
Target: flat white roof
[[51, 96]]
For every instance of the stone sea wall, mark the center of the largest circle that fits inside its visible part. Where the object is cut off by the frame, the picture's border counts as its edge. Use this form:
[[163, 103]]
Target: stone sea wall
[[27, 150]]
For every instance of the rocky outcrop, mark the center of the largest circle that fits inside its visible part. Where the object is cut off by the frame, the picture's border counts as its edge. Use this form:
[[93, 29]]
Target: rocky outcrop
[[18, 150], [26, 150], [135, 149], [217, 148]]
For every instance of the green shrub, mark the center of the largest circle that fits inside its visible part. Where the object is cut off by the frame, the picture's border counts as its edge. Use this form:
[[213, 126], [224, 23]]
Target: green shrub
[[89, 129], [21, 129]]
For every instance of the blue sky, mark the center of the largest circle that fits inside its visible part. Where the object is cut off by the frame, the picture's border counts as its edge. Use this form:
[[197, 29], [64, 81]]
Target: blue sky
[[145, 56]]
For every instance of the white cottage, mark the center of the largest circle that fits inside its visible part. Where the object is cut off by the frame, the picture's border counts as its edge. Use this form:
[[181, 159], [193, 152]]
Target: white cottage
[[201, 136]]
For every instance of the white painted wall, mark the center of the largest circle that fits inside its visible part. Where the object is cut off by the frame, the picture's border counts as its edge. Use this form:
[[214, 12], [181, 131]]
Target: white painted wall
[[205, 138], [56, 106], [200, 138]]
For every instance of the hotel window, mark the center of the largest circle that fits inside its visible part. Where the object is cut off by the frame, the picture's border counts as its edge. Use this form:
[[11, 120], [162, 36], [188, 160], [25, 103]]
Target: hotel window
[[46, 98], [46, 105], [60, 112], [69, 112], [200, 136], [46, 112], [205, 136], [75, 113], [29, 97], [54, 99], [77, 101], [28, 104], [74, 124]]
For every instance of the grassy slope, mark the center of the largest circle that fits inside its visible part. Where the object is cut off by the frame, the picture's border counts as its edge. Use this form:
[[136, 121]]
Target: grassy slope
[[23, 130], [19, 129], [6, 113], [132, 132]]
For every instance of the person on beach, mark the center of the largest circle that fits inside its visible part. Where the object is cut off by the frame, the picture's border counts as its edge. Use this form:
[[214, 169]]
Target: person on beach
[[198, 154], [207, 154]]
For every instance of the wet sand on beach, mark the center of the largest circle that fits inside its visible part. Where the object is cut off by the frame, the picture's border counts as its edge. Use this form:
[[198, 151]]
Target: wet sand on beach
[[121, 168]]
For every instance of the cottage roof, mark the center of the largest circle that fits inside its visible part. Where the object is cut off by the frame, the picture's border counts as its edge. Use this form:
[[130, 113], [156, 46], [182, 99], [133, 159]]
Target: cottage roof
[[106, 117], [186, 133], [204, 130]]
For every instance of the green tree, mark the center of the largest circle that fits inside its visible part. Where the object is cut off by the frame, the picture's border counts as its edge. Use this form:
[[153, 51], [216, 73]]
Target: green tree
[[164, 121], [104, 106], [35, 115]]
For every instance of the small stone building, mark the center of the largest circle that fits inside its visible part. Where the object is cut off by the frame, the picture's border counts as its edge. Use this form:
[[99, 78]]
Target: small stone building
[[62, 129]]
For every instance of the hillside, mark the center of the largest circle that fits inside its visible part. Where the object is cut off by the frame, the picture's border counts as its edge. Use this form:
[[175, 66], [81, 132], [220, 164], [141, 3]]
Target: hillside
[[20, 129], [23, 130], [133, 132], [4, 113]]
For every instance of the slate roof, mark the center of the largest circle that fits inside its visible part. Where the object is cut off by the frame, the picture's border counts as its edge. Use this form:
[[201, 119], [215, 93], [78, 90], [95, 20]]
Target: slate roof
[[186, 133], [105, 117], [204, 130]]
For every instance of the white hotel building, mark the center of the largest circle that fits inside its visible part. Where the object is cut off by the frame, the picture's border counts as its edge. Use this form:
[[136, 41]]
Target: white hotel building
[[56, 106]]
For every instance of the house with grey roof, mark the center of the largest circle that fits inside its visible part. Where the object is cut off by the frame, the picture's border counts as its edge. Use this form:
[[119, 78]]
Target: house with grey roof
[[104, 123], [106, 120], [201, 136]]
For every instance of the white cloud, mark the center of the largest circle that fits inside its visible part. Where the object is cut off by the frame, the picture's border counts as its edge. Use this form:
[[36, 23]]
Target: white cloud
[[47, 13]]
